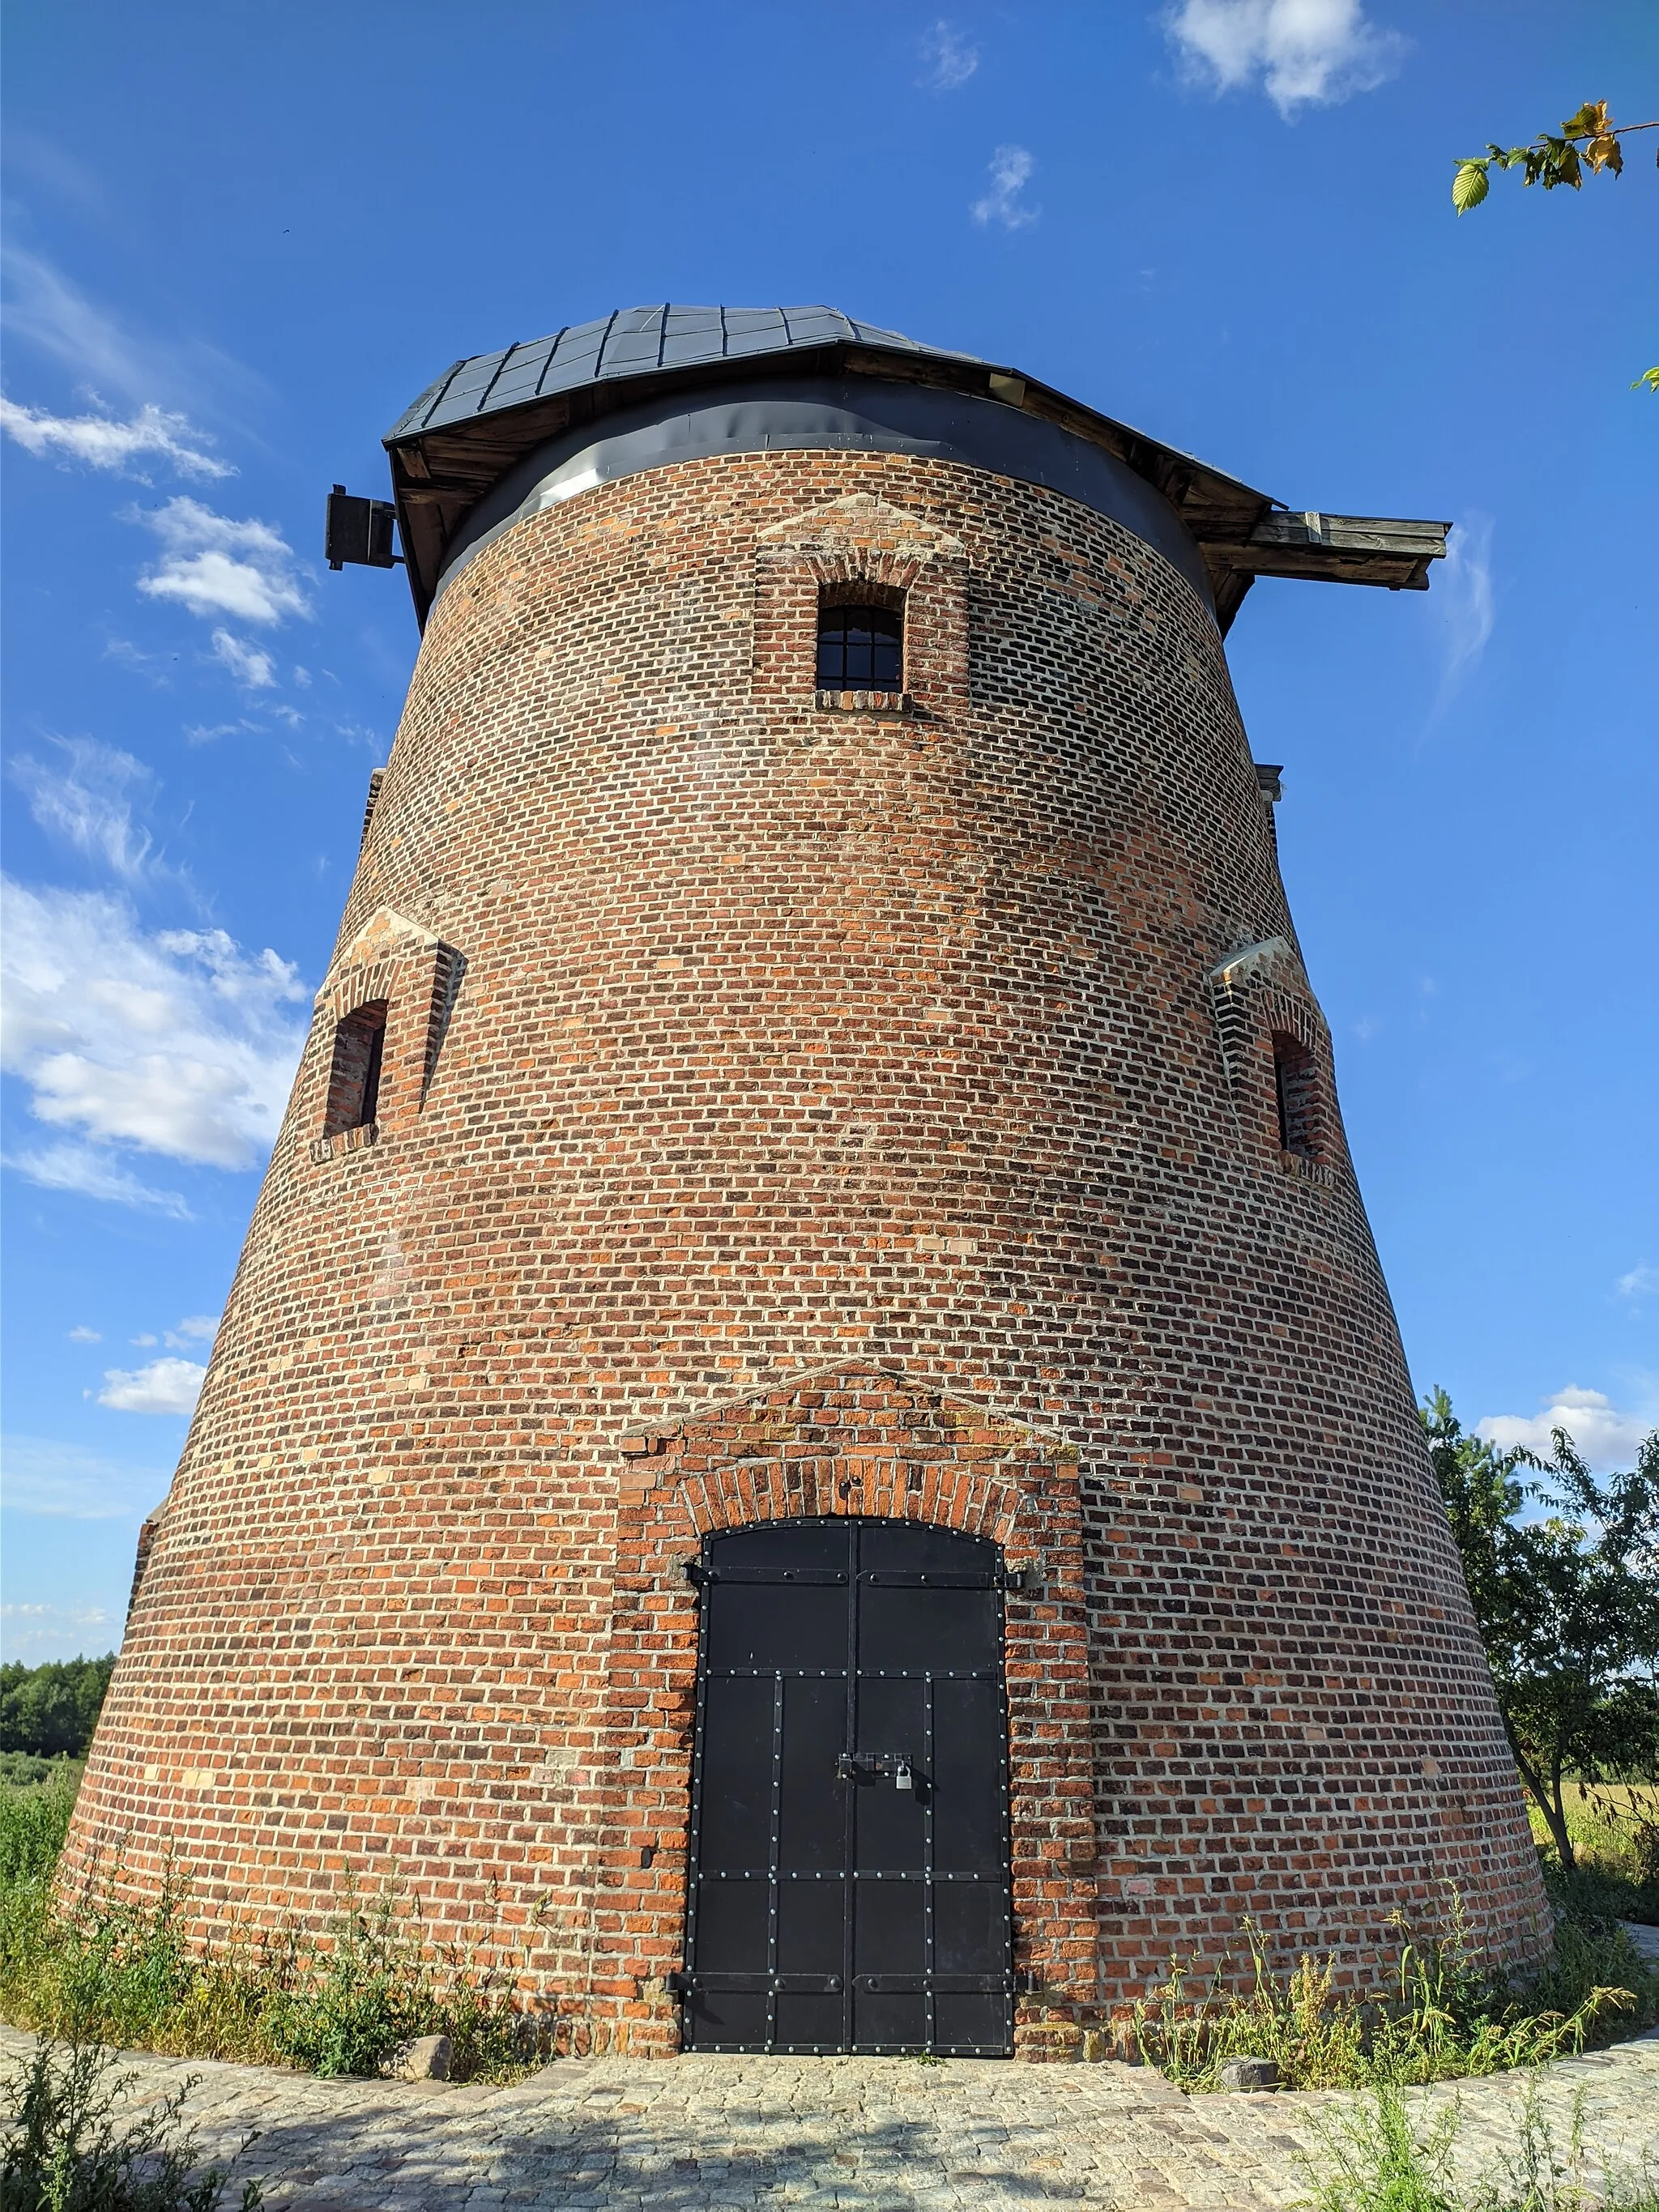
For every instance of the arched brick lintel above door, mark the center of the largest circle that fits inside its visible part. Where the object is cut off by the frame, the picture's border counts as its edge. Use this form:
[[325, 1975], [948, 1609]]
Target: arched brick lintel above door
[[873, 1442]]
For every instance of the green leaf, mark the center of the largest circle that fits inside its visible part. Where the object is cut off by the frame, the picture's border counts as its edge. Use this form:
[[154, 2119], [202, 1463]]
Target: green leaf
[[1469, 186], [1649, 378]]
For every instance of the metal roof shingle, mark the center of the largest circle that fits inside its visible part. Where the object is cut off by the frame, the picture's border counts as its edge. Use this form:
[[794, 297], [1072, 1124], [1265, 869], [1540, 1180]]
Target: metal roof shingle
[[635, 342]]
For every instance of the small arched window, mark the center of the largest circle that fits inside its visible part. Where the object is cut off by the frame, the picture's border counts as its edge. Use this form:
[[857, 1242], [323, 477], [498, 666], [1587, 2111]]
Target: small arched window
[[1296, 1082], [860, 646], [353, 1083]]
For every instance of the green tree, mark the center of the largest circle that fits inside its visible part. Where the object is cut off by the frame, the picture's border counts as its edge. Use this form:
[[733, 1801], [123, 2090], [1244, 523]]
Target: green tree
[[1567, 1603], [52, 1710], [1589, 140]]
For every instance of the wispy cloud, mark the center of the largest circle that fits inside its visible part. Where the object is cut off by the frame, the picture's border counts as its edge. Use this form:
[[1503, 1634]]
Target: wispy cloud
[[91, 1174], [165, 1385], [64, 1482], [251, 666], [1468, 608], [98, 441], [82, 1335], [176, 1041], [1642, 1282], [1303, 52], [216, 566], [56, 1631], [947, 58], [1011, 168], [1600, 1433], [47, 311], [194, 1328], [89, 801]]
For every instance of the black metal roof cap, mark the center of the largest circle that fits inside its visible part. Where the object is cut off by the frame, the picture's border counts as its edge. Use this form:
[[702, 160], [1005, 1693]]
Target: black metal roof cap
[[636, 342], [485, 415]]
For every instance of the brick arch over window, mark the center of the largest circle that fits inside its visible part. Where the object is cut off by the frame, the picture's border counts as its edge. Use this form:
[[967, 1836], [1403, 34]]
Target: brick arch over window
[[861, 546], [410, 980], [876, 1444], [1261, 995]]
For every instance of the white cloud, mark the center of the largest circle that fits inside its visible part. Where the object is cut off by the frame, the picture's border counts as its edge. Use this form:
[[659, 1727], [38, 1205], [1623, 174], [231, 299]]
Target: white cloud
[[1641, 1282], [89, 803], [64, 1482], [175, 1041], [1011, 168], [101, 443], [216, 566], [166, 1386], [250, 665], [93, 1174], [1467, 608], [82, 1334], [1304, 51], [948, 60], [144, 1342], [1601, 1434], [52, 1632], [194, 1328]]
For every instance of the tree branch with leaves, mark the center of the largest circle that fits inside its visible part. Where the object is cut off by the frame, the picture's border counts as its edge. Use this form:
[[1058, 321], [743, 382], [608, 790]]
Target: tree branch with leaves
[[1567, 1605], [1588, 141]]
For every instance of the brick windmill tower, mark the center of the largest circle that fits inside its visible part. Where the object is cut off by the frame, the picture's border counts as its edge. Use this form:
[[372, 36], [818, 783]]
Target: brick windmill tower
[[810, 1402]]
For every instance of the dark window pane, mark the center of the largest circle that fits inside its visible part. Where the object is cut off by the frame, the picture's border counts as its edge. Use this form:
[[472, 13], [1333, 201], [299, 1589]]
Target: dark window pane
[[860, 649], [353, 1083]]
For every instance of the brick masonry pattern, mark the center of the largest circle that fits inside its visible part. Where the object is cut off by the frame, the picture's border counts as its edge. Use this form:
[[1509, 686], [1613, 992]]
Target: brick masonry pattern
[[896, 1074]]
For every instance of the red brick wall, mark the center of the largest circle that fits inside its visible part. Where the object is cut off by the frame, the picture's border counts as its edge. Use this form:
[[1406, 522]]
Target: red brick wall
[[755, 1059]]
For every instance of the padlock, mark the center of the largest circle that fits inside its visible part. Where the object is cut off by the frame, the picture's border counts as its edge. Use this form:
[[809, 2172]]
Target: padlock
[[902, 1778]]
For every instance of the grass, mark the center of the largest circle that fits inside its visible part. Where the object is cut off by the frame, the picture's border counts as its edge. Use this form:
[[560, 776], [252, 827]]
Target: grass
[[95, 1967], [1615, 1840], [1377, 2155], [1446, 2015]]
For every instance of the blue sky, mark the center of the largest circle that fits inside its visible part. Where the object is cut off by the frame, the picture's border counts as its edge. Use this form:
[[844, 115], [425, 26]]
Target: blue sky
[[239, 240]]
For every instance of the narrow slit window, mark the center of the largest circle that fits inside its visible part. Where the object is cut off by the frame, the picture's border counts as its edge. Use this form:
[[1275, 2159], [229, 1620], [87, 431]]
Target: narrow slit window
[[353, 1086], [860, 648], [1296, 1082]]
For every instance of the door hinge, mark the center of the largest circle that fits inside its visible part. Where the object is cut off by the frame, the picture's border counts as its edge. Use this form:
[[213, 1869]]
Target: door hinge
[[680, 1983]]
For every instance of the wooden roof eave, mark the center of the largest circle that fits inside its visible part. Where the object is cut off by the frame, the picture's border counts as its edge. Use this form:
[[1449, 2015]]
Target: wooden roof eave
[[439, 475]]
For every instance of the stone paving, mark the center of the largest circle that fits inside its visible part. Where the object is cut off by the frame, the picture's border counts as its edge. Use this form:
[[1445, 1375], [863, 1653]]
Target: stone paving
[[860, 2135]]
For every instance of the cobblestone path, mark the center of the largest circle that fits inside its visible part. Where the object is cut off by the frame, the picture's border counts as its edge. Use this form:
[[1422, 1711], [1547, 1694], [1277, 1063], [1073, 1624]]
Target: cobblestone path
[[878, 2134]]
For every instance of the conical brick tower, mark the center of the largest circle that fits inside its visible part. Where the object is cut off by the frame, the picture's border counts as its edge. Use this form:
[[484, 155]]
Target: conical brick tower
[[809, 1411]]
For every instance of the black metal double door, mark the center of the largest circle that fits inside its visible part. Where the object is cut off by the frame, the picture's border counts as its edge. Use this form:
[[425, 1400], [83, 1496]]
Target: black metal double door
[[849, 1878]]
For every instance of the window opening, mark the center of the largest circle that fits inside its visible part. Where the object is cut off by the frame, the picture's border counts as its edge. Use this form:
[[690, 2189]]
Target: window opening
[[1297, 1085], [860, 648], [354, 1087]]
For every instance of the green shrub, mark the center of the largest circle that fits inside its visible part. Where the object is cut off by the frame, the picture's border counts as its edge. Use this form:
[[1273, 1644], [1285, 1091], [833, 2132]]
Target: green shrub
[[52, 1709], [64, 2152], [33, 1825], [98, 1966], [27, 1770]]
